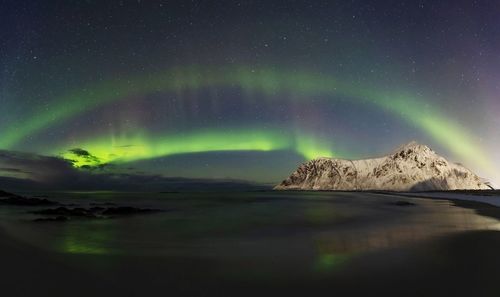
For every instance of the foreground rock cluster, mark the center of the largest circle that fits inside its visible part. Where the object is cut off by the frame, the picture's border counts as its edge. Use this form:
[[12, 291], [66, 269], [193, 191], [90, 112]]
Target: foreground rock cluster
[[13, 199], [66, 213], [413, 167]]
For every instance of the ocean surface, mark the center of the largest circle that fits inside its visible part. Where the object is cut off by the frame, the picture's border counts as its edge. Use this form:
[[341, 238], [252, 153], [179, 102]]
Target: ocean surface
[[265, 243]]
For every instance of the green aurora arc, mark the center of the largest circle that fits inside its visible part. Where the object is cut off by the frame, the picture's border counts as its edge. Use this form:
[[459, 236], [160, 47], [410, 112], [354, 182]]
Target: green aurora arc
[[265, 81], [118, 149]]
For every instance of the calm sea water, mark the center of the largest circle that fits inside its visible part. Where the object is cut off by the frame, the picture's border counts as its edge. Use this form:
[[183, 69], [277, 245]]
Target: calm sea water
[[253, 238], [319, 226]]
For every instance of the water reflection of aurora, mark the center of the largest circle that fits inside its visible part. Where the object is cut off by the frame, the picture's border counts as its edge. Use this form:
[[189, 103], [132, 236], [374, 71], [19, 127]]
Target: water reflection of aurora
[[90, 237]]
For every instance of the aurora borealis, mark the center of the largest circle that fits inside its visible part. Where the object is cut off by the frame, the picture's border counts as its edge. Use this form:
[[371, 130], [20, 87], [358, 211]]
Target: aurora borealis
[[248, 90]]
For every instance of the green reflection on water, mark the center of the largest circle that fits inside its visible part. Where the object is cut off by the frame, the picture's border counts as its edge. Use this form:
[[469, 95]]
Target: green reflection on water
[[86, 238], [330, 261], [330, 254]]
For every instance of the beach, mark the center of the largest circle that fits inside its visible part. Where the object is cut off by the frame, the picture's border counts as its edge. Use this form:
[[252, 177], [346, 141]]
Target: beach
[[263, 243]]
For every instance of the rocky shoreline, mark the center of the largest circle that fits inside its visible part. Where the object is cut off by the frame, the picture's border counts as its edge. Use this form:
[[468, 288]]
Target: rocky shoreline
[[65, 213]]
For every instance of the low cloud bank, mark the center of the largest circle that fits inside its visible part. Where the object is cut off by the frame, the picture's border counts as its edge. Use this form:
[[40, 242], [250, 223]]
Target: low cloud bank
[[25, 171]]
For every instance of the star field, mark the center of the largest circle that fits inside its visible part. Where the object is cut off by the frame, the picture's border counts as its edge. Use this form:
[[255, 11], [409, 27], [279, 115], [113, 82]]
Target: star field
[[249, 89]]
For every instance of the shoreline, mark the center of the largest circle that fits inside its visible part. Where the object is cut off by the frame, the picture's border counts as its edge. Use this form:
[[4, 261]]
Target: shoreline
[[386, 271]]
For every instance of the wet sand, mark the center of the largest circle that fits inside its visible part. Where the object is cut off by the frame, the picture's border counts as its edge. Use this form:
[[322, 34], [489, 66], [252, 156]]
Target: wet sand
[[460, 265], [463, 263]]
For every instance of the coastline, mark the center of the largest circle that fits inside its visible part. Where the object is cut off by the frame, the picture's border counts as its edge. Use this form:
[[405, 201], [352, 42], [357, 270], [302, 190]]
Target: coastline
[[434, 267]]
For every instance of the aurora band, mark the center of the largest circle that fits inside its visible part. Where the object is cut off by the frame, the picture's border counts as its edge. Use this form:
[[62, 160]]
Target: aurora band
[[266, 81]]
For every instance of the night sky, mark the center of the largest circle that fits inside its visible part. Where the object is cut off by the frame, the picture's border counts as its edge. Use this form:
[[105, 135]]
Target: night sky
[[243, 90]]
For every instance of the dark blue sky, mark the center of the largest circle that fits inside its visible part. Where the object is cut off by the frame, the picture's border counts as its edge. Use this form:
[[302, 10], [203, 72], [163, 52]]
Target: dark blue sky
[[248, 89]]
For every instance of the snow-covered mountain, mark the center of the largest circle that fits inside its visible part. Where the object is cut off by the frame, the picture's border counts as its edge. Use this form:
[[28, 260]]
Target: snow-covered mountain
[[413, 167]]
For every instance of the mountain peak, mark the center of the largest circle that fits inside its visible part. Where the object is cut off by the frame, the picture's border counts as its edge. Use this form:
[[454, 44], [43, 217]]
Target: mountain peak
[[414, 146], [412, 167]]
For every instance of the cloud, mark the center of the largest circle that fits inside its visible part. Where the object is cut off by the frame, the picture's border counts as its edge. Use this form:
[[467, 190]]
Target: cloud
[[81, 152], [36, 172], [41, 169], [83, 158], [16, 170]]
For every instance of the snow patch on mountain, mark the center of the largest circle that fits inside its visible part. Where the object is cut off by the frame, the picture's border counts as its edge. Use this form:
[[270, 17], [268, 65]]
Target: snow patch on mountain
[[412, 167]]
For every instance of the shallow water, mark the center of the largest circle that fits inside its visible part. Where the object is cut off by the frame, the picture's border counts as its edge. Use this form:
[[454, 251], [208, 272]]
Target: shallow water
[[253, 238]]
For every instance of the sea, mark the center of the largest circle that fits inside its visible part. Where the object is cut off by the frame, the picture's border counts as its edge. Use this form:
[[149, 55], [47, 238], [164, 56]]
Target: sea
[[269, 243]]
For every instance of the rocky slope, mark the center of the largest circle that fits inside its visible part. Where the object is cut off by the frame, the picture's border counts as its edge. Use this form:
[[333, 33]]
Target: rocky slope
[[413, 167]]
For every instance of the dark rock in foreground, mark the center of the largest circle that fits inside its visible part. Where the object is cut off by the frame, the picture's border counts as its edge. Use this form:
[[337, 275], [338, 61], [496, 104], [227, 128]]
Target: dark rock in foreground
[[102, 204], [403, 203], [55, 219], [13, 199], [126, 210], [64, 213]]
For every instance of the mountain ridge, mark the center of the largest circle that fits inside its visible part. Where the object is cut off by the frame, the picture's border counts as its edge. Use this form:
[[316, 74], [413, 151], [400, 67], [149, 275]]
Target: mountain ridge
[[411, 167]]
